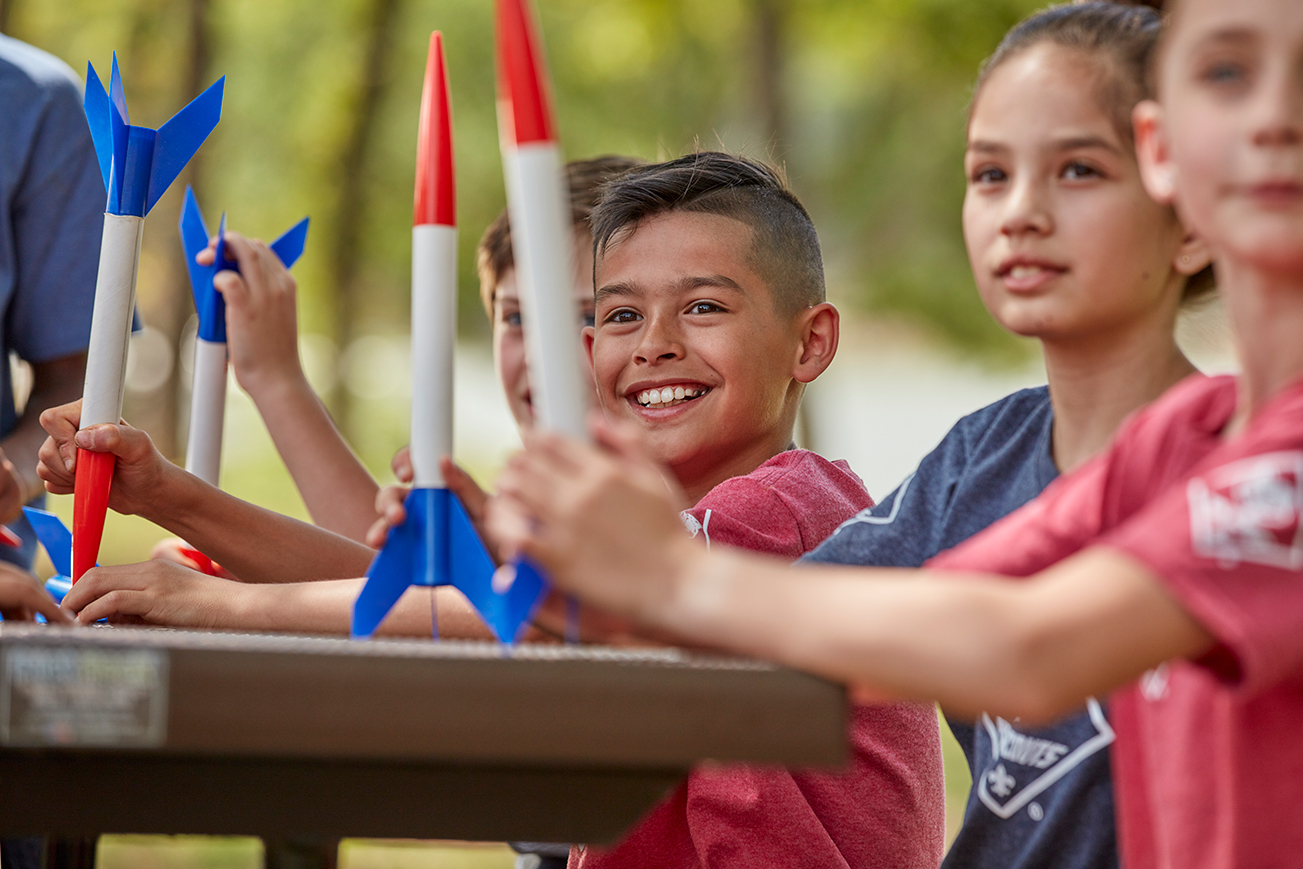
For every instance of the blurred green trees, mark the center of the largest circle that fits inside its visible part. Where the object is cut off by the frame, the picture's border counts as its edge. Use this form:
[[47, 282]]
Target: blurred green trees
[[863, 102]]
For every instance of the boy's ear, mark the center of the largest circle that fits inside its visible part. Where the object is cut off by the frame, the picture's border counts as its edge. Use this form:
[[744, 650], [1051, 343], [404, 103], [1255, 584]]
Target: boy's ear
[[820, 330], [589, 333], [1157, 171]]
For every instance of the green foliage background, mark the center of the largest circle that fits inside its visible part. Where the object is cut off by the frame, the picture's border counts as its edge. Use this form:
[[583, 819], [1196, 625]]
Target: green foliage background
[[874, 95]]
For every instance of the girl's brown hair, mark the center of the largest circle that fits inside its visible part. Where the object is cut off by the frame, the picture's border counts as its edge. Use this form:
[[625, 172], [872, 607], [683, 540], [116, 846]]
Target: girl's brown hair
[[1121, 38]]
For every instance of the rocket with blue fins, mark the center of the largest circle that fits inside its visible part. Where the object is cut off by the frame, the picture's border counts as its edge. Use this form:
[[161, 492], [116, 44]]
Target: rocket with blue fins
[[137, 165], [208, 394], [537, 203], [437, 544]]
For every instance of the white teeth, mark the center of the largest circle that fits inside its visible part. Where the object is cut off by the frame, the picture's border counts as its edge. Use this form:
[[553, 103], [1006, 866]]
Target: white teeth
[[1024, 271], [667, 395]]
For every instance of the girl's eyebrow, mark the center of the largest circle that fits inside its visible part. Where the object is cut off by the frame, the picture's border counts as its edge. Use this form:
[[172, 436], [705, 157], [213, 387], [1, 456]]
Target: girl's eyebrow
[[1075, 143]]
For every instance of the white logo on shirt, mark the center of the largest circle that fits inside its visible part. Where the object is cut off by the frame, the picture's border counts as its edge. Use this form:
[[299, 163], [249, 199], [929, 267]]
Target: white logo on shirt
[[694, 527], [1045, 760], [1249, 511], [1153, 684]]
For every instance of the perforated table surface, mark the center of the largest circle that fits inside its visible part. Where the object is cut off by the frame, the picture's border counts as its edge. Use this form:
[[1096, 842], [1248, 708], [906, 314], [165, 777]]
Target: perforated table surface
[[160, 731]]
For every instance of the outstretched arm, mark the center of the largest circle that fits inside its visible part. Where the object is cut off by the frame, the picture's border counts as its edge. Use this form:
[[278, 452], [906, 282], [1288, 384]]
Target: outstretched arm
[[1033, 649], [262, 335], [255, 544], [165, 593]]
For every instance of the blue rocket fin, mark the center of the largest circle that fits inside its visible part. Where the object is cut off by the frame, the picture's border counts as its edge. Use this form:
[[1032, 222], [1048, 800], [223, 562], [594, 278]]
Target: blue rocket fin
[[519, 602], [54, 536], [116, 92], [389, 575], [58, 587], [221, 262], [98, 111], [181, 136], [438, 545], [194, 238], [289, 247]]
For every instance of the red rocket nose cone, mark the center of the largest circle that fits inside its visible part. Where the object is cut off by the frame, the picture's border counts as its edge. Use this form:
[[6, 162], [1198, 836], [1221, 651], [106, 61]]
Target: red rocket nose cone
[[435, 191], [526, 110]]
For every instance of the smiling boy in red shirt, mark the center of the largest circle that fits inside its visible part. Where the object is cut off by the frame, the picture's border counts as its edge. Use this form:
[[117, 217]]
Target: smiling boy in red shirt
[[710, 319]]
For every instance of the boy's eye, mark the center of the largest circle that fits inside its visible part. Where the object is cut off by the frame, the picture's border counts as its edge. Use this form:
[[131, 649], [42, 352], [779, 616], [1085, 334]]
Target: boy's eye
[[704, 308], [623, 315], [988, 175], [588, 318], [511, 318], [1077, 171]]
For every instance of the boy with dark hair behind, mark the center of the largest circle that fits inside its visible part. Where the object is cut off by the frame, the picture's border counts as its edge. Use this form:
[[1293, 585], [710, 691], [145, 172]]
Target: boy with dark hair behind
[[710, 320]]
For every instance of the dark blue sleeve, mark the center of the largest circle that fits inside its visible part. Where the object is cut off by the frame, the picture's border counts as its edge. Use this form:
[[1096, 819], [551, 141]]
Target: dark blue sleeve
[[58, 215], [905, 529]]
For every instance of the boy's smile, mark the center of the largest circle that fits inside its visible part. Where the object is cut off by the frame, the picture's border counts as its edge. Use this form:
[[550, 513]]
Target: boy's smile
[[688, 343]]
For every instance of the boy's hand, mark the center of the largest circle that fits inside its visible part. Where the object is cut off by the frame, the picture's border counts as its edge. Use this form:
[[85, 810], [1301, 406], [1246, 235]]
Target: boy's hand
[[590, 514], [22, 596], [261, 314], [140, 470], [401, 465], [392, 513], [152, 593]]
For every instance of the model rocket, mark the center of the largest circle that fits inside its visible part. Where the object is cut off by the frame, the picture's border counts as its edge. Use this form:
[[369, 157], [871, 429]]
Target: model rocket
[[437, 543], [137, 165], [208, 393], [537, 203]]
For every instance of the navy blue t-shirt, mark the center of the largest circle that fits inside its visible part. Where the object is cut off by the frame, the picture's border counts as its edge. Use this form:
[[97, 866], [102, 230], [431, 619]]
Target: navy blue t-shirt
[[1041, 796]]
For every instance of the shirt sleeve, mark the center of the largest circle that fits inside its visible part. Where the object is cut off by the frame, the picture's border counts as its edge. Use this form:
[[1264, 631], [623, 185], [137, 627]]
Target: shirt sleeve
[[900, 531], [58, 220], [743, 513], [1227, 543], [1066, 517]]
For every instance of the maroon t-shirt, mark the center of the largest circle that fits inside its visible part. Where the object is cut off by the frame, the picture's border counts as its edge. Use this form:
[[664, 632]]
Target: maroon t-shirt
[[1208, 763], [887, 808]]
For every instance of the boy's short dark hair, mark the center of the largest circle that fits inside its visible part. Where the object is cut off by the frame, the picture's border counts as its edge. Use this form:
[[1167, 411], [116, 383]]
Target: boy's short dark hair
[[784, 245], [584, 179]]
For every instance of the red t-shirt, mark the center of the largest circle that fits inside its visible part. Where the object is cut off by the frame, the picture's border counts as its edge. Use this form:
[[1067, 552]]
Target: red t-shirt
[[1208, 764], [887, 808]]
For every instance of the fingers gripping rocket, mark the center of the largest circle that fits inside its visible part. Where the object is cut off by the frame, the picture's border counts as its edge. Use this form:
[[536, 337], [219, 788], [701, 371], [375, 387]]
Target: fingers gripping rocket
[[437, 544], [208, 395], [137, 165], [540, 237]]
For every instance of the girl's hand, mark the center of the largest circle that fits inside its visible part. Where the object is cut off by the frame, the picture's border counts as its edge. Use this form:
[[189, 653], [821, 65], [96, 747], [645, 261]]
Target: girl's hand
[[261, 314], [141, 470], [22, 596], [177, 551], [154, 593]]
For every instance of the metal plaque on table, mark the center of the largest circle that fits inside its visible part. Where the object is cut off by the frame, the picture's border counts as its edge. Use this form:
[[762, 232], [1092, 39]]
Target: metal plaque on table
[[71, 696]]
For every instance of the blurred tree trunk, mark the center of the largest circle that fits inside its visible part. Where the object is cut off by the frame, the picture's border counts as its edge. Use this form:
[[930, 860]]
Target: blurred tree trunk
[[381, 17], [770, 52], [771, 17], [6, 7], [161, 411]]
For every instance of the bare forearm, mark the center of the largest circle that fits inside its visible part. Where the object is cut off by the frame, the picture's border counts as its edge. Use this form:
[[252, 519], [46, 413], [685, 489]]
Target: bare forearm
[[255, 544], [327, 608], [338, 491], [1030, 649]]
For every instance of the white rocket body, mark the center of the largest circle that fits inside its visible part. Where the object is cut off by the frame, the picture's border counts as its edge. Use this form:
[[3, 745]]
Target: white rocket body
[[203, 456], [434, 337], [115, 299], [542, 246]]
